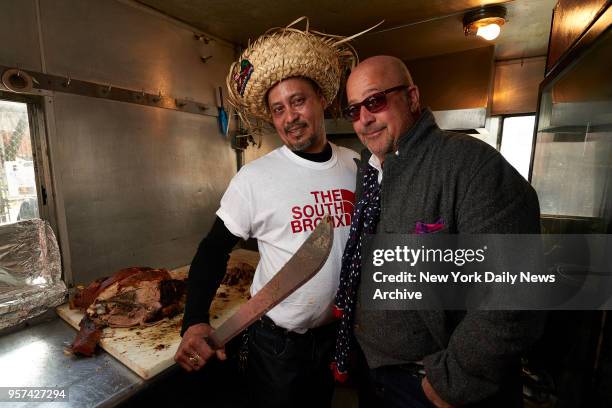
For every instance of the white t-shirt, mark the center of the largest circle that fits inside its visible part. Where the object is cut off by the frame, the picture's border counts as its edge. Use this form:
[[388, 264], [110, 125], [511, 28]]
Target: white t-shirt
[[278, 199]]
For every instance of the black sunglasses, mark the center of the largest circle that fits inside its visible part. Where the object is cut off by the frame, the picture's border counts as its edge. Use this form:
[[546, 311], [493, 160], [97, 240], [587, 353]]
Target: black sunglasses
[[373, 103]]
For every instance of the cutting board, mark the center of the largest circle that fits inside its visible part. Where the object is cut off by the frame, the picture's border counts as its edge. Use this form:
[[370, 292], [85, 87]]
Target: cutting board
[[150, 350]]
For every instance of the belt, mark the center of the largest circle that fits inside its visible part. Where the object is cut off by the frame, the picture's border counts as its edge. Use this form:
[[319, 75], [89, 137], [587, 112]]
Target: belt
[[267, 323]]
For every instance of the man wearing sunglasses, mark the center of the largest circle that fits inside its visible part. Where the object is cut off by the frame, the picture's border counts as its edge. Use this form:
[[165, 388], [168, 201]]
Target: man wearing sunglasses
[[429, 181]]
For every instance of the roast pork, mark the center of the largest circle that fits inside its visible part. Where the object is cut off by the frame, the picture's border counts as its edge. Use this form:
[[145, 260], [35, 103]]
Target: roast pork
[[131, 297]]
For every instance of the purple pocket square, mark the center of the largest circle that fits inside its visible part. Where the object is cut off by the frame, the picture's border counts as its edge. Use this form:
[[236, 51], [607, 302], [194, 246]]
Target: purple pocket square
[[422, 228]]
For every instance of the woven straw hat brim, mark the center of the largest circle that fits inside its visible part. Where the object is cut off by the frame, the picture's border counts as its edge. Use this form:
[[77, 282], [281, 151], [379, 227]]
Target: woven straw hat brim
[[283, 53], [289, 54]]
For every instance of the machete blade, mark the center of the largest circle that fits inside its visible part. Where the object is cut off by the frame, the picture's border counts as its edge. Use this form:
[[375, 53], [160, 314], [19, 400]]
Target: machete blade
[[303, 265]]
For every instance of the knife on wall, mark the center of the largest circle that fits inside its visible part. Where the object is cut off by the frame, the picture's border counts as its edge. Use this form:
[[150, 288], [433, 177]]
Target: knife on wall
[[301, 267]]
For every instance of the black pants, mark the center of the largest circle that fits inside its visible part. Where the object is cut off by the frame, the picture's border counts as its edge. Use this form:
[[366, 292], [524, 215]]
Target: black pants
[[287, 369], [393, 387], [388, 386]]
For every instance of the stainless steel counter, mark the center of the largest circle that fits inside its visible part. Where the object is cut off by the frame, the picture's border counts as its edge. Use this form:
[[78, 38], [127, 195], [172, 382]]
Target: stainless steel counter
[[34, 357]]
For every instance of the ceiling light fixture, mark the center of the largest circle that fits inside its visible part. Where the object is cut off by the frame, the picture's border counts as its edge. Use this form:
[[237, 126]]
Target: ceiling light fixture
[[485, 22]]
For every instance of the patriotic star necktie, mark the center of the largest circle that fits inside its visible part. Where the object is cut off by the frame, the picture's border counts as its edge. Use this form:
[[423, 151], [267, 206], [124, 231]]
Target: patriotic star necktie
[[365, 219]]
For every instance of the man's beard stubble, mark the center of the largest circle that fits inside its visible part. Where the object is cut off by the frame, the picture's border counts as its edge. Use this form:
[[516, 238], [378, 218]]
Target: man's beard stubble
[[306, 143], [301, 146]]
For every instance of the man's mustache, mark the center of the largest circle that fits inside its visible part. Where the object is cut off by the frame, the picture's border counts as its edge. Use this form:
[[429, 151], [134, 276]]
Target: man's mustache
[[295, 125], [372, 129]]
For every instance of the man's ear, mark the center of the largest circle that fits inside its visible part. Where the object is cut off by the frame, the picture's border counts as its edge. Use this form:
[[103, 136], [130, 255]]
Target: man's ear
[[323, 101], [414, 99]]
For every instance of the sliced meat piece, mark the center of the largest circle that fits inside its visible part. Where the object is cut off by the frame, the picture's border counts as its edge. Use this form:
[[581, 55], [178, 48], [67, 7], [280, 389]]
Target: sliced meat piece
[[128, 305], [238, 273], [147, 274], [172, 291], [84, 298], [87, 338], [172, 297]]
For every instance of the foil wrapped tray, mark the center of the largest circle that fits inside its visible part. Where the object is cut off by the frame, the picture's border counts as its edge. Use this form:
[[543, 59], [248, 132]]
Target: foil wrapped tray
[[30, 271]]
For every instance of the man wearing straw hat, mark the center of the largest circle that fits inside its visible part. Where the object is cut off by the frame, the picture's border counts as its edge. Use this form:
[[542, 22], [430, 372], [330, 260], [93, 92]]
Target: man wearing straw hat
[[430, 181], [287, 78]]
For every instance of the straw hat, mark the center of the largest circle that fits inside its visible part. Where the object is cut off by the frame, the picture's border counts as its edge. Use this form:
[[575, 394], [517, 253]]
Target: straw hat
[[283, 53]]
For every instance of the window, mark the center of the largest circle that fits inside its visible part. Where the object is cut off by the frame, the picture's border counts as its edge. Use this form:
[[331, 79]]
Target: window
[[517, 141], [27, 288], [18, 193]]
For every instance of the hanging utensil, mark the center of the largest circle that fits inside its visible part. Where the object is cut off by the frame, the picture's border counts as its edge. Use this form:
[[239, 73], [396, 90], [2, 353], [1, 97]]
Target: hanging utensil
[[223, 124]]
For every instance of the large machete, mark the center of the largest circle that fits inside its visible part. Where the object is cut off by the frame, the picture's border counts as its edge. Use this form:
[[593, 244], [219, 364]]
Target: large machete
[[302, 266]]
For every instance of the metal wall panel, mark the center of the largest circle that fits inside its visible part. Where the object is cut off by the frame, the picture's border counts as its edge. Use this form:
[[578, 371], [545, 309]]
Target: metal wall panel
[[516, 85], [111, 42], [570, 19], [141, 185], [138, 185], [19, 34], [465, 86]]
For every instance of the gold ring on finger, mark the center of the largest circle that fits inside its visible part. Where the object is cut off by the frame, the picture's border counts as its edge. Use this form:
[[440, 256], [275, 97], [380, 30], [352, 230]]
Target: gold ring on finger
[[194, 358]]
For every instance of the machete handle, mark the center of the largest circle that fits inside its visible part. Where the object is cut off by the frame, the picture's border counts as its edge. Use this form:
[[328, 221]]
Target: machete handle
[[212, 343]]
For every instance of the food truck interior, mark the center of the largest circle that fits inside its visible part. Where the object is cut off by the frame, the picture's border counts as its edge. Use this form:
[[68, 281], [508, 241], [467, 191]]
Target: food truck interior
[[113, 156]]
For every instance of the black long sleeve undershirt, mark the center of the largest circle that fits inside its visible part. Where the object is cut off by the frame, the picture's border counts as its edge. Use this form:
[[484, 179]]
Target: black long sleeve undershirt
[[206, 273], [210, 262]]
